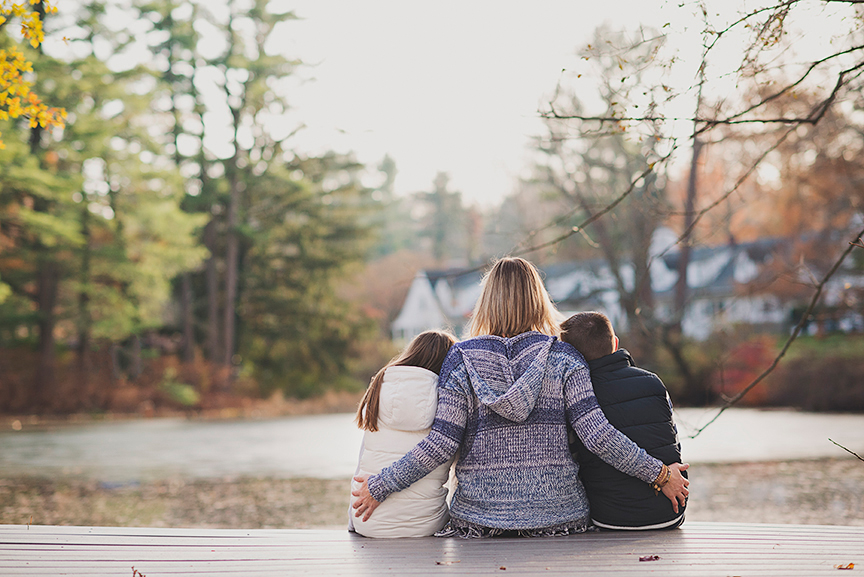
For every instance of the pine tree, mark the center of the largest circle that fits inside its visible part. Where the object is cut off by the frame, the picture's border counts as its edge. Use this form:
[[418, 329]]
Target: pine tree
[[178, 63], [304, 233], [108, 234]]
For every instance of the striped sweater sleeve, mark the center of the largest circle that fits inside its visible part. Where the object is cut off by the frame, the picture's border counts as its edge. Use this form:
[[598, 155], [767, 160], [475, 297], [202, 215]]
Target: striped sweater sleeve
[[599, 436], [439, 446]]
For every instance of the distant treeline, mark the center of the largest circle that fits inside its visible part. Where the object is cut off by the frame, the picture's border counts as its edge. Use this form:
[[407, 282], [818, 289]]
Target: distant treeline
[[172, 246]]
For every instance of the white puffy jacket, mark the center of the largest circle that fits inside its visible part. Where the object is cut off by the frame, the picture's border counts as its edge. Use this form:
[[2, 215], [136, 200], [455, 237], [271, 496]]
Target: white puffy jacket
[[406, 409]]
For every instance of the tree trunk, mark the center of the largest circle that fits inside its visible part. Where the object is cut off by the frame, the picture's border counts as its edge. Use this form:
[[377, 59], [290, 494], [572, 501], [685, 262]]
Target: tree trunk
[[49, 277], [49, 274], [231, 263], [232, 252], [212, 278], [116, 369], [85, 320], [695, 389], [643, 321], [135, 369], [684, 255], [188, 319]]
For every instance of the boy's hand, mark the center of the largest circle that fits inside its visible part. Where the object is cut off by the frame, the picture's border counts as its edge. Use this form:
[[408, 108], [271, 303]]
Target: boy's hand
[[366, 502], [676, 489]]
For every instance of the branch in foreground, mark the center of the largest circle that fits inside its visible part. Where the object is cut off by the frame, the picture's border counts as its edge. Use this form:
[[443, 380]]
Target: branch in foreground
[[516, 251], [804, 318], [860, 458], [702, 212], [596, 216], [705, 124]]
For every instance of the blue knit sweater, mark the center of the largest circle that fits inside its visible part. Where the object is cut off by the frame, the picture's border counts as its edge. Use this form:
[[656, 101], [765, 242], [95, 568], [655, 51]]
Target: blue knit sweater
[[504, 403]]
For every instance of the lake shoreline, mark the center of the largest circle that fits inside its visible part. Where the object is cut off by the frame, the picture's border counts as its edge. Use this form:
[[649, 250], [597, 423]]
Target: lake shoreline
[[814, 491], [250, 409], [246, 408]]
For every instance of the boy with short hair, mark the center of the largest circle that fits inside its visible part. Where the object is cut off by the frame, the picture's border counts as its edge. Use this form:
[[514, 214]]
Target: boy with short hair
[[636, 403]]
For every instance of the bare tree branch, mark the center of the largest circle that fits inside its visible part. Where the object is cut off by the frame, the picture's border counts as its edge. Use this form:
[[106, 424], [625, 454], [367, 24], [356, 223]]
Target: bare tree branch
[[596, 216], [804, 318], [803, 77], [702, 212], [860, 458], [517, 251], [780, 6], [816, 113]]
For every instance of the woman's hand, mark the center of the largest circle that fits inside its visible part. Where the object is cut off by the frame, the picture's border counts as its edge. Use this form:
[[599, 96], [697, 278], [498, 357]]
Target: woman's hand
[[366, 502], [676, 489]]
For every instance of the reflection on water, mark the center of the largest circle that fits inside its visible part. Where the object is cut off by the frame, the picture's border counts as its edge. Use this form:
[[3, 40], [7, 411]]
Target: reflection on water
[[325, 446], [742, 435], [322, 446]]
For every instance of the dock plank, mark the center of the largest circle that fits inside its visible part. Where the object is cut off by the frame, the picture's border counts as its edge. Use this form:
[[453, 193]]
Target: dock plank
[[696, 549]]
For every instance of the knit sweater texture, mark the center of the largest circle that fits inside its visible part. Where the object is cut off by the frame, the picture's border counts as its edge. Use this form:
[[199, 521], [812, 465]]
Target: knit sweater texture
[[504, 404]]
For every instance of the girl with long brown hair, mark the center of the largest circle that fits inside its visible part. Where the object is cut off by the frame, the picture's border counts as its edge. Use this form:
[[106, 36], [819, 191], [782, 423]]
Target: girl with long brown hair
[[396, 412]]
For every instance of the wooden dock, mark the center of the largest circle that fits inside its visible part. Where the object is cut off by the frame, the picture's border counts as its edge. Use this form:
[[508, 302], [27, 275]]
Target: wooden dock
[[722, 549]]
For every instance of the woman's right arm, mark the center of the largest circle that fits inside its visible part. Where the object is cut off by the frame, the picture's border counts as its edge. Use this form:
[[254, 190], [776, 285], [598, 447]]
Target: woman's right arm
[[437, 448], [601, 438]]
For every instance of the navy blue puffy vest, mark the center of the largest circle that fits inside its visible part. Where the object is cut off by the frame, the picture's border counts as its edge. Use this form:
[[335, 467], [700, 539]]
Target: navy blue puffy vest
[[637, 404]]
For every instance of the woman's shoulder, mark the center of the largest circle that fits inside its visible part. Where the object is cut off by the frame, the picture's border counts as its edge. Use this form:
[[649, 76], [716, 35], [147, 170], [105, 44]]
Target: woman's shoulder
[[494, 341], [567, 355]]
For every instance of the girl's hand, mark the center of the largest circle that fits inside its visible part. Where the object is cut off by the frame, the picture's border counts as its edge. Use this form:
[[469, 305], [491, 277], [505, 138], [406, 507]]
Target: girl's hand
[[676, 489], [366, 502]]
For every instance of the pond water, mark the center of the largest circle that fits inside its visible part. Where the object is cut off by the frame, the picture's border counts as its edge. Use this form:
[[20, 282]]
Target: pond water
[[326, 446]]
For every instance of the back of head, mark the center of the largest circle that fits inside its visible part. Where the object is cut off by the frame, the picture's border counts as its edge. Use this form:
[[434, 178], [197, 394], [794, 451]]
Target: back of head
[[427, 350], [513, 301], [590, 333]]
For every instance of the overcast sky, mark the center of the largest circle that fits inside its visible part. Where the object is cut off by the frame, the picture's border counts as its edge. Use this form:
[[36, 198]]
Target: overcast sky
[[455, 85], [452, 85]]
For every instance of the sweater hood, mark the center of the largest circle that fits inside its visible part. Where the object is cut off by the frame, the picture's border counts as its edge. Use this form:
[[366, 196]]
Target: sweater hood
[[408, 398], [507, 373]]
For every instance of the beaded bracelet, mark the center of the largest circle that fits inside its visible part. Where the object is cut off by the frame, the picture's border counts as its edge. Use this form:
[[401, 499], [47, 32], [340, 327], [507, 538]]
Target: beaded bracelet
[[662, 479]]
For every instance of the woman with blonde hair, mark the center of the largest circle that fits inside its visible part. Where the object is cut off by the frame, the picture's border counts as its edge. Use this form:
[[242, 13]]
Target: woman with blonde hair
[[505, 397]]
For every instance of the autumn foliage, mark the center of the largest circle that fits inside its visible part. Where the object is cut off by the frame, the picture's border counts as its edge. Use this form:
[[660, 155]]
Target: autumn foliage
[[16, 98]]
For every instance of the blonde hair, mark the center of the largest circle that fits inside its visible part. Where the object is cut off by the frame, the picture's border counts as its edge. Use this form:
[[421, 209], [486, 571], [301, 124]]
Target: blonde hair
[[426, 350], [513, 301]]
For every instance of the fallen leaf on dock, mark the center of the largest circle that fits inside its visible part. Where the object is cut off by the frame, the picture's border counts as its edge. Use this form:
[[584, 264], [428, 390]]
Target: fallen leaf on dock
[[847, 566], [649, 558]]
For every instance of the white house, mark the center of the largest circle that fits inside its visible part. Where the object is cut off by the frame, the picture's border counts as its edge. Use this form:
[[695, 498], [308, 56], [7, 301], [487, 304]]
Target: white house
[[437, 300]]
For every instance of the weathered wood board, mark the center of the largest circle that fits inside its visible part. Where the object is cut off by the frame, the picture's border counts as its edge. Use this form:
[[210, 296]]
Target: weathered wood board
[[695, 549]]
